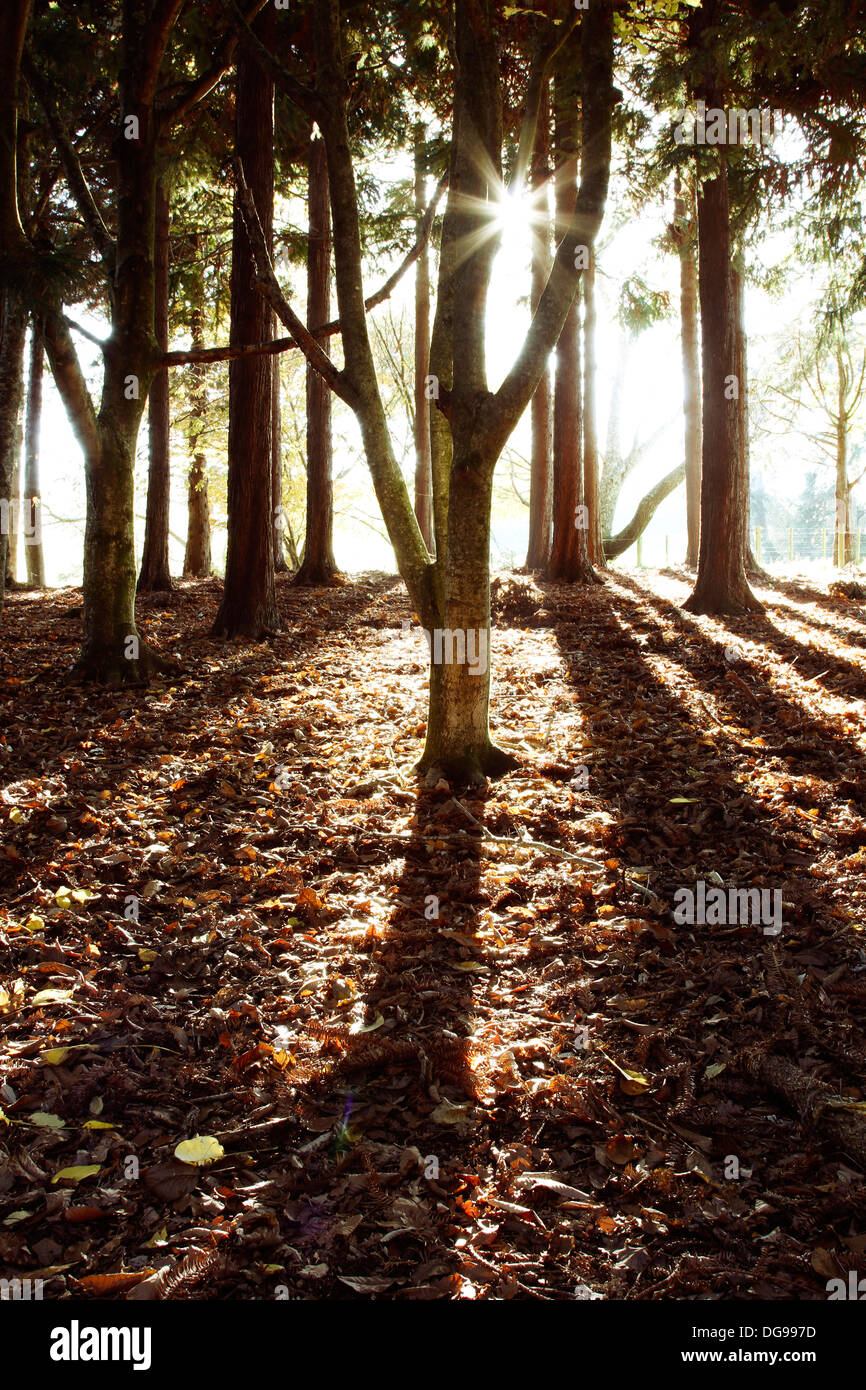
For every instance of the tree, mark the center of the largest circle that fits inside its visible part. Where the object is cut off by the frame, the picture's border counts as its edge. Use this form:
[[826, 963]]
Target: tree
[[318, 565], [155, 575], [421, 423], [197, 557], [248, 607], [541, 463], [452, 594], [683, 234], [721, 586], [32, 498]]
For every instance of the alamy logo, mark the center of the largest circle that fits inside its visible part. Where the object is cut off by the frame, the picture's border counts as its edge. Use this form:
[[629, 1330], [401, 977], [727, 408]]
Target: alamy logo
[[854, 1291], [19, 1290], [716, 907], [77, 1343], [454, 646], [734, 126], [31, 520]]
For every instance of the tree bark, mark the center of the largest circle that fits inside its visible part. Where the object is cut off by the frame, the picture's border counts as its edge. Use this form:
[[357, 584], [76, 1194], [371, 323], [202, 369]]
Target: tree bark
[[541, 467], [644, 513], [594, 545], [197, 558], [423, 454], [154, 575], [569, 558], [33, 548], [318, 565], [280, 563], [248, 608], [12, 334], [843, 530], [721, 586], [691, 377]]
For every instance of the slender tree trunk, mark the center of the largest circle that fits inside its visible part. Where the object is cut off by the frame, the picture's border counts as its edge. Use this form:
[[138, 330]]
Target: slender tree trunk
[[423, 454], [541, 468], [14, 509], [12, 334], [155, 575], [33, 549], [594, 545], [721, 587], [691, 378], [843, 529], [280, 564], [318, 565], [197, 558], [569, 558], [248, 607], [753, 569]]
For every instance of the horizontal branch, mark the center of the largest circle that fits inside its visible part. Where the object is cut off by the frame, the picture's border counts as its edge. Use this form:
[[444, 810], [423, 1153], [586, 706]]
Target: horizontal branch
[[326, 330], [268, 285], [644, 513]]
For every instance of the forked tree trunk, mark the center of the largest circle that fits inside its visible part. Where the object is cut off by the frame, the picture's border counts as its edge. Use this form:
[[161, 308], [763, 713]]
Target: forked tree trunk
[[594, 545], [569, 557], [13, 329], [197, 558], [248, 608], [33, 548], [722, 586], [318, 565], [155, 576], [691, 378], [423, 454], [541, 467]]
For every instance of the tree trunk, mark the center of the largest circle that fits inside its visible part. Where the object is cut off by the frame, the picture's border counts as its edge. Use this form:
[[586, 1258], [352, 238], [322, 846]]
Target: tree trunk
[[644, 513], [33, 549], [691, 378], [721, 587], [569, 558], [197, 558], [423, 454], [843, 532], [541, 468], [594, 546], [155, 576], [248, 607], [318, 565], [280, 564], [753, 569], [12, 334]]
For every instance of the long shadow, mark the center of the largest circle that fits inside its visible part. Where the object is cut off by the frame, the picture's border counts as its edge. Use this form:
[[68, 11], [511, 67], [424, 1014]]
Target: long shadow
[[656, 777]]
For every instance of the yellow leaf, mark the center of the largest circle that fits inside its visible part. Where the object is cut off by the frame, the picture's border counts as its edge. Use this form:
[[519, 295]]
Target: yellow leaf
[[201, 1149], [55, 1055], [159, 1237], [473, 966], [368, 1027], [52, 996], [15, 1216], [34, 924], [46, 1121], [17, 816], [98, 1124], [146, 954], [76, 1173]]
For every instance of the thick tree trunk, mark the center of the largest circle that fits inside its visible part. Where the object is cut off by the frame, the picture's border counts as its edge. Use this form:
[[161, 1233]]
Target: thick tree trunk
[[423, 454], [594, 545], [248, 608], [644, 513], [280, 564], [569, 558], [691, 379], [33, 548], [155, 575], [721, 587], [318, 565], [13, 329], [197, 558], [541, 467]]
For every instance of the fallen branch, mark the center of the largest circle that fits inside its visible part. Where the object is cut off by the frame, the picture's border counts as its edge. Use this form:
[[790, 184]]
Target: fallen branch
[[842, 1122]]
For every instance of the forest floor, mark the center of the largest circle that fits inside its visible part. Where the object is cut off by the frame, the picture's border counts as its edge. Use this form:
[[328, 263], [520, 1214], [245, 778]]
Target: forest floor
[[218, 919]]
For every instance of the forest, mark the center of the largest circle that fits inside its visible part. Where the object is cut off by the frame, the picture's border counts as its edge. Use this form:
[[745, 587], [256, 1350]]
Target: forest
[[433, 658]]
